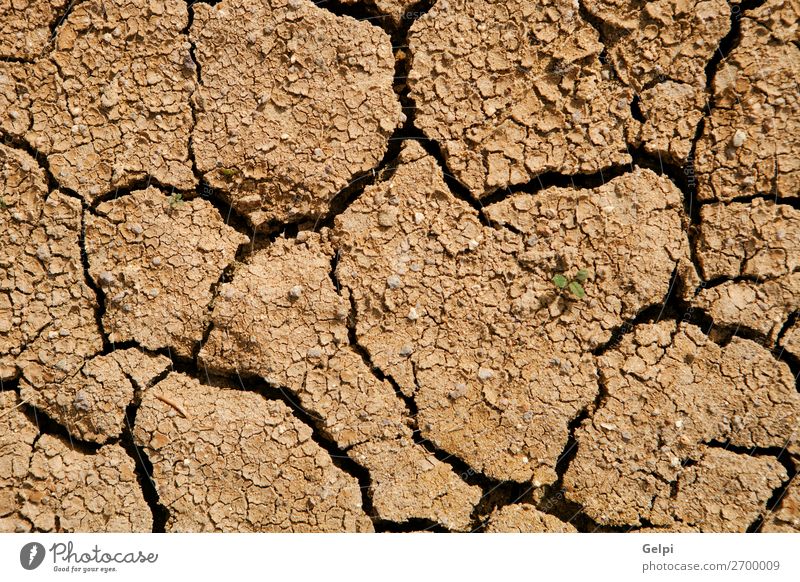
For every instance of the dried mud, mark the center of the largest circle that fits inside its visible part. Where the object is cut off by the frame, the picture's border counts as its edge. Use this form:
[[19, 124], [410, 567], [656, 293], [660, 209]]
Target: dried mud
[[399, 265]]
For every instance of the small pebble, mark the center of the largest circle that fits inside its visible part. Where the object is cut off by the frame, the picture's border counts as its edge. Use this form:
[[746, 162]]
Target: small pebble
[[459, 391], [43, 253], [296, 292], [81, 402], [387, 218]]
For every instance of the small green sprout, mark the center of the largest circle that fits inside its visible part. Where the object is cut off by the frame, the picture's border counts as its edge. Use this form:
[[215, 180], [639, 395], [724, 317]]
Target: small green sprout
[[3, 204], [228, 172], [175, 200], [573, 286]]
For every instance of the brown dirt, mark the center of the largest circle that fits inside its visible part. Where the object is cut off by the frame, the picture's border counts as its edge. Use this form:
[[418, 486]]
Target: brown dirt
[[261, 270], [109, 105], [291, 111], [50, 486], [92, 402], [157, 259], [692, 393], [283, 319], [671, 112], [751, 141], [524, 518], [237, 462], [761, 307], [25, 26], [791, 340], [438, 299], [650, 42], [538, 101], [786, 519], [48, 318], [758, 239], [393, 10]]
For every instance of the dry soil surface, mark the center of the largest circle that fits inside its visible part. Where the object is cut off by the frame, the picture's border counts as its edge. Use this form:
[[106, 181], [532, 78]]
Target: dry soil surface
[[391, 265]]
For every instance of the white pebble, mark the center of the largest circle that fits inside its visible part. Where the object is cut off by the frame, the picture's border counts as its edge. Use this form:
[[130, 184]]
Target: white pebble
[[296, 292]]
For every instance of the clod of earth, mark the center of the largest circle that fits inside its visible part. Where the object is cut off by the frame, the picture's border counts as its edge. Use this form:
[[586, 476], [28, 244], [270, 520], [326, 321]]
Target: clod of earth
[[761, 307], [393, 10], [757, 239], [109, 104], [791, 340], [282, 318], [241, 463], [512, 90], [696, 396], [671, 113], [15, 102], [92, 403], [47, 485], [751, 141], [651, 42], [661, 49], [524, 518], [445, 305], [157, 263], [25, 26], [786, 518], [47, 319], [297, 100]]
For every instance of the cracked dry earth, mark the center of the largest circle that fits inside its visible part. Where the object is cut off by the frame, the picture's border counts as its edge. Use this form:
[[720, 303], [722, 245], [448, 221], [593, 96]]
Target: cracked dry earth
[[283, 265]]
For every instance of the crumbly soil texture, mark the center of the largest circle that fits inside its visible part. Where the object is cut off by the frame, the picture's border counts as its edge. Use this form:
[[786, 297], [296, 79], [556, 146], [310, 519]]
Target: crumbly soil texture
[[399, 265]]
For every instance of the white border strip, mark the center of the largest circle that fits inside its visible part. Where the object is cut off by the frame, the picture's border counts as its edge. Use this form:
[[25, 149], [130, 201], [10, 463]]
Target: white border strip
[[404, 557]]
